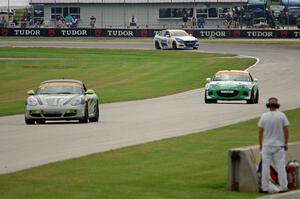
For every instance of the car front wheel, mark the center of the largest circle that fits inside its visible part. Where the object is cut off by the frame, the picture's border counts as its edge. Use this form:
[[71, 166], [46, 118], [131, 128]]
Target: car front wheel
[[85, 118], [29, 121], [157, 46], [174, 45], [209, 101], [251, 100], [96, 117]]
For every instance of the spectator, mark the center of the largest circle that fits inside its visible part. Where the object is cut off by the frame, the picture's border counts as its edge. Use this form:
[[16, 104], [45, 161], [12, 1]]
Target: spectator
[[184, 18], [200, 22], [60, 22], [228, 20], [74, 22], [132, 21], [236, 20], [248, 19], [3, 22], [273, 140], [68, 20], [193, 22], [92, 21]]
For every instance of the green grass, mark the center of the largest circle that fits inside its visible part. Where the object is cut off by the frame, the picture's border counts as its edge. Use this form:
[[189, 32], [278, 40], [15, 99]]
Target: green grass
[[150, 40], [116, 75], [186, 167]]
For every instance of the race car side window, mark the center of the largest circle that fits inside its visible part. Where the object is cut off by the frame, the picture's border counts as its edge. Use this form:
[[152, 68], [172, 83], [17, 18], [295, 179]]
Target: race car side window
[[163, 33]]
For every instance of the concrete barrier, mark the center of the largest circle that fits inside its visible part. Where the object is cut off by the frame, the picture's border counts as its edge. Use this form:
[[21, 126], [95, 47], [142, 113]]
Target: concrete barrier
[[242, 166]]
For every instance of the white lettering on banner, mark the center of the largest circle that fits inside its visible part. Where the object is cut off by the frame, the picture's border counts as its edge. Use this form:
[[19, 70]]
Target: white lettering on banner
[[212, 34], [27, 32], [266, 34], [124, 33], [297, 34], [74, 32]]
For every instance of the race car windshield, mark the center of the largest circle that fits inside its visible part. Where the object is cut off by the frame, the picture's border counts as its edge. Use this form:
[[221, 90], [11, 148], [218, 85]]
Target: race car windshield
[[50, 90], [231, 77], [178, 33]]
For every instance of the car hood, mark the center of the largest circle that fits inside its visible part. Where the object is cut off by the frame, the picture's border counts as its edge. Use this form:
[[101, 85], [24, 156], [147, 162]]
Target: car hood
[[230, 84], [186, 38], [56, 100]]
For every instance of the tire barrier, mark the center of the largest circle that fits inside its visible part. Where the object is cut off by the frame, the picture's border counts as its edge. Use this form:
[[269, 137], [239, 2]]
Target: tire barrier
[[136, 33]]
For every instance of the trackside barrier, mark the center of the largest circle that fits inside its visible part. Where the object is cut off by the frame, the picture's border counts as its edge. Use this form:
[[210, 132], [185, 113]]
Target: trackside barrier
[[133, 33], [242, 162]]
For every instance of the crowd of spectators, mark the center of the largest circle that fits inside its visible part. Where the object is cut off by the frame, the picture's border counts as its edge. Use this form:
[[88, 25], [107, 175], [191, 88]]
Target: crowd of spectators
[[67, 22]]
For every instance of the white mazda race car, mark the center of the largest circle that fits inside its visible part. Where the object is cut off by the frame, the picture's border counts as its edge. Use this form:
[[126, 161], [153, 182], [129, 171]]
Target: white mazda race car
[[175, 39]]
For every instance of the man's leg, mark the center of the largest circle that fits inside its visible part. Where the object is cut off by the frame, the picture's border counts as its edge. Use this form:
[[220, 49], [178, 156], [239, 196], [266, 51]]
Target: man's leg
[[266, 161], [279, 159]]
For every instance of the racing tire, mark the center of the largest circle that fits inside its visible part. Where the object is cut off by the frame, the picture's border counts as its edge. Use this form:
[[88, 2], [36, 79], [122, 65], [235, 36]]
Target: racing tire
[[174, 46], [85, 118], [256, 97], [29, 121], [96, 117], [209, 101], [195, 48], [157, 46], [251, 100]]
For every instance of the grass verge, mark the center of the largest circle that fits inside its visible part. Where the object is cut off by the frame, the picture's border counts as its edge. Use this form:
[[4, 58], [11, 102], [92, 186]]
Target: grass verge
[[116, 75], [150, 40], [186, 167]]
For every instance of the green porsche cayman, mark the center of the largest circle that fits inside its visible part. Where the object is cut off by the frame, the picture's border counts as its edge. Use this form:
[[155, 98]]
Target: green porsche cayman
[[231, 85]]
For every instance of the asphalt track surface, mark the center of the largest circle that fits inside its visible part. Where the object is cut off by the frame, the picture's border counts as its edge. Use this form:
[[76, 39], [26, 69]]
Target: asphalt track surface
[[135, 122]]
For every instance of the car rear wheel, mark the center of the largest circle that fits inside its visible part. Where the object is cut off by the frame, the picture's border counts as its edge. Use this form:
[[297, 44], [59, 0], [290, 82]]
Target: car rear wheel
[[85, 118], [96, 117], [29, 121], [157, 46], [174, 46]]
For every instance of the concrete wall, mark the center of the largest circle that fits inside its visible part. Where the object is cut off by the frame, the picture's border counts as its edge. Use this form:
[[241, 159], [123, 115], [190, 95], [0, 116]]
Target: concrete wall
[[242, 163]]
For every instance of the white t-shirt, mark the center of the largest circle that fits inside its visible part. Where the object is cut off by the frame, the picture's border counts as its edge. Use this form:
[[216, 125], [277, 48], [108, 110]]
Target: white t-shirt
[[273, 122]]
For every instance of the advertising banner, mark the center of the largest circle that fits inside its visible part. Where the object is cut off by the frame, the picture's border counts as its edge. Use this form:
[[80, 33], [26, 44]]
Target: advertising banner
[[134, 33]]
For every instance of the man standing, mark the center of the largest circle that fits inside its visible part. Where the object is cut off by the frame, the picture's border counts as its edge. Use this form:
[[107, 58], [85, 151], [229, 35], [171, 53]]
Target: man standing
[[273, 140]]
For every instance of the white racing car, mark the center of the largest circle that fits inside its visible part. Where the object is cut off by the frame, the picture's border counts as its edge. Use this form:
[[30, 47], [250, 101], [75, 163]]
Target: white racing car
[[61, 99], [175, 39]]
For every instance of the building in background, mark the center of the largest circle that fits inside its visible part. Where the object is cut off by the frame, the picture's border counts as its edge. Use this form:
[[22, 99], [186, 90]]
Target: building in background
[[149, 13]]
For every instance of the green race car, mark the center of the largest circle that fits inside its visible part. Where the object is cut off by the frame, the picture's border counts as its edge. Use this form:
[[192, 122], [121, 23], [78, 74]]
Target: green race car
[[231, 85]]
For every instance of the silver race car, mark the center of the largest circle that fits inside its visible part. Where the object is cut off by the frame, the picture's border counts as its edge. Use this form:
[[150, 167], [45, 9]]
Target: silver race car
[[175, 39], [61, 99]]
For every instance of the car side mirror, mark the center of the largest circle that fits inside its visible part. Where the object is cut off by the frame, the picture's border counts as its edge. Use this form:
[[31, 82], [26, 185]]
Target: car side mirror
[[89, 92], [255, 80], [208, 80], [30, 92]]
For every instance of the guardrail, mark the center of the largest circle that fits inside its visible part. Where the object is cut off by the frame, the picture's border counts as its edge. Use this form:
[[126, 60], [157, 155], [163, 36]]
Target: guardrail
[[134, 33]]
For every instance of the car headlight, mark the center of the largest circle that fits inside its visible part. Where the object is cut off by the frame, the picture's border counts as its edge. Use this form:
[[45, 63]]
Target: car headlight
[[179, 40], [77, 101], [214, 86], [31, 101]]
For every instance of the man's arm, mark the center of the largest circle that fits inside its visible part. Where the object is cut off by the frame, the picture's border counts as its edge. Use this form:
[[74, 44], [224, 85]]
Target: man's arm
[[286, 136], [260, 137]]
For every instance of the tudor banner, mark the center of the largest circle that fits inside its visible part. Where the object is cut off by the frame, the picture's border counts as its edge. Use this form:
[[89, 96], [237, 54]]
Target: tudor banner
[[132, 33]]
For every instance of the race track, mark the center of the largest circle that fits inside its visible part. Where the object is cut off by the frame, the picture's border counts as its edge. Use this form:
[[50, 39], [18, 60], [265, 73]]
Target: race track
[[135, 122]]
